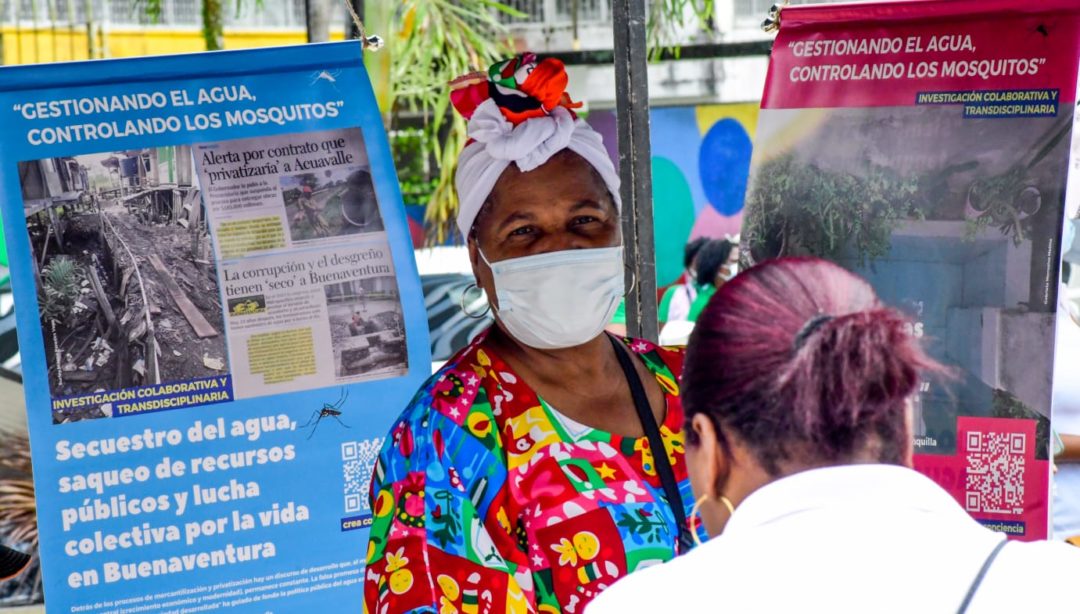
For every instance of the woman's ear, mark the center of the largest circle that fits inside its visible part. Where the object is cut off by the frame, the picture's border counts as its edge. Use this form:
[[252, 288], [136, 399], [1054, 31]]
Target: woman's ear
[[713, 464], [474, 251]]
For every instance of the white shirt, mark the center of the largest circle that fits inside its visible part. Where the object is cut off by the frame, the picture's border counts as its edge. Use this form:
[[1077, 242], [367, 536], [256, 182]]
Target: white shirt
[[681, 301], [852, 539]]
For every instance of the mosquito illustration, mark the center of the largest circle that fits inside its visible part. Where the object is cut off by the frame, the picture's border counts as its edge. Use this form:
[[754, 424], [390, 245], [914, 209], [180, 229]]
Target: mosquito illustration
[[327, 411], [325, 76]]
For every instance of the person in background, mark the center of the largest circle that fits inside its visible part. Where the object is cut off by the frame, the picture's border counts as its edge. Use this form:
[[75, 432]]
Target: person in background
[[544, 461], [716, 263], [677, 298], [800, 448], [681, 302]]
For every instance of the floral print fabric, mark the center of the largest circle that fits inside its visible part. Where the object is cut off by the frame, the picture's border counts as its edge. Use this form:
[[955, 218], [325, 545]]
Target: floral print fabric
[[484, 501]]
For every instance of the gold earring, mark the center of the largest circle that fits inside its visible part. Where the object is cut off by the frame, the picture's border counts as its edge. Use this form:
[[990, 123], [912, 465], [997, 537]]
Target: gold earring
[[697, 507], [693, 518], [727, 503]]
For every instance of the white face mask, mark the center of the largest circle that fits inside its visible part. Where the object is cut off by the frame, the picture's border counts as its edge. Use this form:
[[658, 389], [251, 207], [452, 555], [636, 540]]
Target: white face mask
[[558, 299], [733, 270]]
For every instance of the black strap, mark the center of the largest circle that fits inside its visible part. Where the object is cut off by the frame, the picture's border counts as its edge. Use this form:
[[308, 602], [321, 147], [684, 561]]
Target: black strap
[[656, 443], [982, 574]]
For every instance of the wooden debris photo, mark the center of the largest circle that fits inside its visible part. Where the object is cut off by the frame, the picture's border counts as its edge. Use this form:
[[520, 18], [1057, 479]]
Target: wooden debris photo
[[127, 285]]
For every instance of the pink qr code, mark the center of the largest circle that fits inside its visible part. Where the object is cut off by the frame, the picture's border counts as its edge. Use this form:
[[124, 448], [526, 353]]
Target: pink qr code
[[995, 472]]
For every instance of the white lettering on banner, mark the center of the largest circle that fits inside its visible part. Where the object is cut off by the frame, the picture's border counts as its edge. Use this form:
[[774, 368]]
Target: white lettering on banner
[[882, 46], [230, 555]]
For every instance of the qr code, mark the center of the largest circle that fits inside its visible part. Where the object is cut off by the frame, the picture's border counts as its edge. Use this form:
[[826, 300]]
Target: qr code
[[995, 472], [357, 462]]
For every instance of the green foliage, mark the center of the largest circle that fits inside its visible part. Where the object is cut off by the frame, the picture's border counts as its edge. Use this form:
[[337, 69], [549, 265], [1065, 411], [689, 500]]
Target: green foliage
[[667, 17], [213, 24], [643, 524], [796, 208], [1005, 405], [213, 18], [1010, 199], [60, 285], [434, 42], [411, 156], [996, 200]]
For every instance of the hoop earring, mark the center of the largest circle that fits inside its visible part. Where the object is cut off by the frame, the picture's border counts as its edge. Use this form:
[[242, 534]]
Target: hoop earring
[[465, 310], [697, 508], [693, 518], [633, 282], [727, 503]]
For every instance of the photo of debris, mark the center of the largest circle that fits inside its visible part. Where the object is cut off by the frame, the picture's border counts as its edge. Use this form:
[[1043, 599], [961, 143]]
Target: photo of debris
[[127, 285], [330, 203], [367, 329]]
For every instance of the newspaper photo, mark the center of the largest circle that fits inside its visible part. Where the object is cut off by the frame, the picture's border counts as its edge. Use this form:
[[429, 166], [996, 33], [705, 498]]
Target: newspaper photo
[[279, 192], [126, 280], [307, 276], [313, 318]]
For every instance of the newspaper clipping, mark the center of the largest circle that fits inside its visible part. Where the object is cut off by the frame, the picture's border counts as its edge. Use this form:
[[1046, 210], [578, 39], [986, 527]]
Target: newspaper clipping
[[273, 193], [306, 271]]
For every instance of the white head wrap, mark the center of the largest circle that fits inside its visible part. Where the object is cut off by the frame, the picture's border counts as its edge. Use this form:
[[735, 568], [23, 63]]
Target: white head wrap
[[497, 143]]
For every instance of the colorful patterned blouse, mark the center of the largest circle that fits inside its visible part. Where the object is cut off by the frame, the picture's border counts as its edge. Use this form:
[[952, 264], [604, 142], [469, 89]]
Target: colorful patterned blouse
[[485, 499]]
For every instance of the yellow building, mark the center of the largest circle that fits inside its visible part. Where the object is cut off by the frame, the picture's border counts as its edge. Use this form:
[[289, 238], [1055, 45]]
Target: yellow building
[[35, 31]]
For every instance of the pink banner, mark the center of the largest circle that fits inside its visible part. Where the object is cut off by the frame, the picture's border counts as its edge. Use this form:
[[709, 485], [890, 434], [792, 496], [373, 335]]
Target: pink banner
[[976, 54], [926, 146]]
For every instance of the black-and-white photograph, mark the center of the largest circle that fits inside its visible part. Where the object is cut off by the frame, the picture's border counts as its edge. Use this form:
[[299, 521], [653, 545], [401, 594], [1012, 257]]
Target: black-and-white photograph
[[330, 203], [127, 286], [367, 329]]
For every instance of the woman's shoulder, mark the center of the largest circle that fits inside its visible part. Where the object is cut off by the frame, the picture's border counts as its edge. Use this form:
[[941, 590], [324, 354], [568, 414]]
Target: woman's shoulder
[[666, 363], [455, 397]]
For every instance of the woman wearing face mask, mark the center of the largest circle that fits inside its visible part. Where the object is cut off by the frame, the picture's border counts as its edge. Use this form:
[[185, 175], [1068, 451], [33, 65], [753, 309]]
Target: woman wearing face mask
[[800, 447], [716, 262], [544, 461], [676, 301]]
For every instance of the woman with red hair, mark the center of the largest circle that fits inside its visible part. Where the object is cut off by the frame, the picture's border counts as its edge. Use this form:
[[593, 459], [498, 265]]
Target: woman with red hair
[[796, 390]]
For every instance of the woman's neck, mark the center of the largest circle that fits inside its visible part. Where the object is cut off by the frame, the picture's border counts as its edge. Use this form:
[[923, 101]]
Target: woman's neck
[[584, 383], [583, 362]]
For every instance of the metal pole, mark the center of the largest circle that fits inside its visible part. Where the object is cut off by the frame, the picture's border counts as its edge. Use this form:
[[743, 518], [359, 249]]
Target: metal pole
[[635, 166], [307, 21]]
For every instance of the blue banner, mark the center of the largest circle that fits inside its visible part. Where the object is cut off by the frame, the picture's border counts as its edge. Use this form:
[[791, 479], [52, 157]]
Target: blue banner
[[214, 248]]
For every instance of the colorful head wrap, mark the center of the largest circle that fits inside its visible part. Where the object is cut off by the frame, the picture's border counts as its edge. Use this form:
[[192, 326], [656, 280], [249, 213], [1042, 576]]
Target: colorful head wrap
[[519, 113]]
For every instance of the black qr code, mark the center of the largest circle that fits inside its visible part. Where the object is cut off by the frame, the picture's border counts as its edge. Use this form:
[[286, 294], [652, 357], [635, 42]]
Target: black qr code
[[357, 462], [995, 472]]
